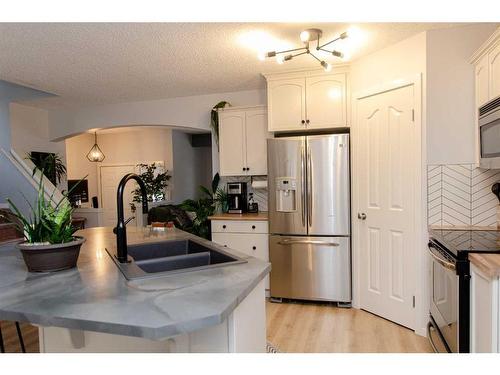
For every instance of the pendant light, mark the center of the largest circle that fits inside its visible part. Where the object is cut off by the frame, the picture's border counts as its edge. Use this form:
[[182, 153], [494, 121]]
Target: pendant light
[[95, 154], [308, 37]]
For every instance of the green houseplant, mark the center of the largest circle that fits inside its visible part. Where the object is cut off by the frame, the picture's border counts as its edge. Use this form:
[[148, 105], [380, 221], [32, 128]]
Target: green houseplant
[[206, 206], [155, 180], [49, 241], [51, 164]]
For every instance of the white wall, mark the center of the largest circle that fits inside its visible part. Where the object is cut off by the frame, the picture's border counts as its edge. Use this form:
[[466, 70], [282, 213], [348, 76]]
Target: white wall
[[191, 112], [450, 93], [127, 147], [30, 131]]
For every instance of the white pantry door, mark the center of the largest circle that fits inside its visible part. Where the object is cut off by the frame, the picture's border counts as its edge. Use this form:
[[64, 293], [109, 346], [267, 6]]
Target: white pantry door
[[110, 177], [387, 167]]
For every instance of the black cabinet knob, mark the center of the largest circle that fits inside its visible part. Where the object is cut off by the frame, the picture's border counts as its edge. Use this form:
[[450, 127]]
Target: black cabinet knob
[[253, 226], [254, 248], [303, 122], [243, 168], [248, 168], [307, 121], [224, 227]]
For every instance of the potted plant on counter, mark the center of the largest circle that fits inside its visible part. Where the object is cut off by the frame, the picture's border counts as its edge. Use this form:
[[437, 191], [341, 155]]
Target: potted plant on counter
[[50, 244]]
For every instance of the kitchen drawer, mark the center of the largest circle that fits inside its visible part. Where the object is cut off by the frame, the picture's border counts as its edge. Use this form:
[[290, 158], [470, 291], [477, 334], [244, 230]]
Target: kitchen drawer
[[239, 226], [256, 245]]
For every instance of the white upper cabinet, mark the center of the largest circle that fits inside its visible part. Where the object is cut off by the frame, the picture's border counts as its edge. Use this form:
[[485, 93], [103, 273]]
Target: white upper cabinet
[[287, 104], [307, 100], [486, 62], [494, 70], [243, 141], [256, 142], [482, 81], [232, 143], [325, 101]]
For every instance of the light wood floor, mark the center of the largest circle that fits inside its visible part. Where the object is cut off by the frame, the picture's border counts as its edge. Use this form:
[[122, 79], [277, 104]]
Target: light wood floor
[[300, 328], [312, 328]]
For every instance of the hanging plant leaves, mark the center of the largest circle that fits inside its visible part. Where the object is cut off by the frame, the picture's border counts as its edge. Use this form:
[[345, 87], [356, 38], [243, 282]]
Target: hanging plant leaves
[[214, 119]]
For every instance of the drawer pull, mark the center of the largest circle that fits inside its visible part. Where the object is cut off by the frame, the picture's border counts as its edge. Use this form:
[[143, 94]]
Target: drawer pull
[[253, 226], [224, 226], [254, 248]]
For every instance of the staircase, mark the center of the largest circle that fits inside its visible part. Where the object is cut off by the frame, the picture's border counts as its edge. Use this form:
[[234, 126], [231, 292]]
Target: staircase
[[18, 183]]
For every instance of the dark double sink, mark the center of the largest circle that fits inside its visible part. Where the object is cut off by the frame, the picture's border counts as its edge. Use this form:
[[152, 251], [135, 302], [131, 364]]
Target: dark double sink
[[163, 258]]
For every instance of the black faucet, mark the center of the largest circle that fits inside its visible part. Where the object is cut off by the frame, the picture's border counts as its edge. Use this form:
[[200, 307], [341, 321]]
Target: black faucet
[[121, 228]]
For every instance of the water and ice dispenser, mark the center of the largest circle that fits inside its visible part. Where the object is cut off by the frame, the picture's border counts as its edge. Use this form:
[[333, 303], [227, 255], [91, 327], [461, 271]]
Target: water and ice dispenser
[[286, 194]]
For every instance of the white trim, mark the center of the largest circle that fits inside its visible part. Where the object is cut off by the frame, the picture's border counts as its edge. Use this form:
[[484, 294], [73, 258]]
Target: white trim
[[241, 108], [489, 44], [305, 72], [420, 275]]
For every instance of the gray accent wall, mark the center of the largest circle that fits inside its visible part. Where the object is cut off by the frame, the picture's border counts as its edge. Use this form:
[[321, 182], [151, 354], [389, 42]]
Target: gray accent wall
[[13, 184], [192, 167]]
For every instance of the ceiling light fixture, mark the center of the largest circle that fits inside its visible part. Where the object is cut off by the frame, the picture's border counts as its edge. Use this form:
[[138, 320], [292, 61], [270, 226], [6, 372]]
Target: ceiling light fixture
[[308, 36], [95, 154]]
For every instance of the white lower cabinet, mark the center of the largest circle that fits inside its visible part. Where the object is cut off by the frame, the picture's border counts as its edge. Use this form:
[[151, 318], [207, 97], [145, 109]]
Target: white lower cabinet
[[249, 237], [244, 331], [484, 312]]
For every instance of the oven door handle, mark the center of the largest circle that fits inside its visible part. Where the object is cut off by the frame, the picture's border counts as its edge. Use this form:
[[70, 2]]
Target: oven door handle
[[429, 337], [438, 259]]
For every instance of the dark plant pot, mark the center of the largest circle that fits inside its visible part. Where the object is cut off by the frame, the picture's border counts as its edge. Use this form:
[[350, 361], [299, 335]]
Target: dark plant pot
[[50, 258]]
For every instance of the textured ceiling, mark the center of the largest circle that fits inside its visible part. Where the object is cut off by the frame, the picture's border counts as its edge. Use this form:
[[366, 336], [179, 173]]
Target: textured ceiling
[[100, 63]]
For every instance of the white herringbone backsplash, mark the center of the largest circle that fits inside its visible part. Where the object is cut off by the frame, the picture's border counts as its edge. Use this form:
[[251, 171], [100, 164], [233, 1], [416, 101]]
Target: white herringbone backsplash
[[259, 195], [461, 195]]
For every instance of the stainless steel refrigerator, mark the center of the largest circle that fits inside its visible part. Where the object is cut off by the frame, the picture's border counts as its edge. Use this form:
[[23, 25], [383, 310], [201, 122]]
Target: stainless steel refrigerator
[[309, 217]]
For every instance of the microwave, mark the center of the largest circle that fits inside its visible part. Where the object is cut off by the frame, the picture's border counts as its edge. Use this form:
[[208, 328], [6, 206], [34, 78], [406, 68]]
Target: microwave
[[489, 134]]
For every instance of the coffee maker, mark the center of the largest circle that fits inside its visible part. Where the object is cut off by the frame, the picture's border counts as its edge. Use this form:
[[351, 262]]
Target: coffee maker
[[237, 197]]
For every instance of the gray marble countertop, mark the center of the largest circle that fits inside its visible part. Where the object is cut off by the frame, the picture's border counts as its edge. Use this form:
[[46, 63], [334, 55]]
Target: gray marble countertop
[[95, 296]]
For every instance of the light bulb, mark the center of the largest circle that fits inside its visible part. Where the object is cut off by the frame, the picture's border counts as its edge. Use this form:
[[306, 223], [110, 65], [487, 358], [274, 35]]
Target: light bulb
[[326, 66], [337, 54], [280, 59], [304, 36], [343, 35], [288, 57]]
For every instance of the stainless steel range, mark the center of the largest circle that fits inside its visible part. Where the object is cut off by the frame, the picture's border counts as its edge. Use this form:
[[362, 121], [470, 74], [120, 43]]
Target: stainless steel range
[[309, 217], [449, 325]]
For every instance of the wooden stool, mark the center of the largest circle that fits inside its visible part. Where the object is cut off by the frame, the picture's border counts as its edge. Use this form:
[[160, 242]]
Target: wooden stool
[[19, 335]]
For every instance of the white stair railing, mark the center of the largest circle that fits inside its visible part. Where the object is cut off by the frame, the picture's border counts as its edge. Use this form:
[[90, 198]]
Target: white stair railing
[[26, 168]]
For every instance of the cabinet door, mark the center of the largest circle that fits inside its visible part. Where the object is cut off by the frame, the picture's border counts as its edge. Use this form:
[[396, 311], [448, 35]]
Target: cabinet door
[[482, 90], [483, 313], [494, 72], [232, 143], [256, 142], [286, 104], [326, 101]]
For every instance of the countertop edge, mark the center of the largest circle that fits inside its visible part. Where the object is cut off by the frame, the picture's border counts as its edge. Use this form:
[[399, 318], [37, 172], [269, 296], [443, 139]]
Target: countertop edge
[[261, 216], [488, 264]]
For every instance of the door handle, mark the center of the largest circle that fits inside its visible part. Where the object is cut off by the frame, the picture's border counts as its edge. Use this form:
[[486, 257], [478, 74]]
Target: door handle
[[309, 187], [303, 185], [361, 216], [307, 242]]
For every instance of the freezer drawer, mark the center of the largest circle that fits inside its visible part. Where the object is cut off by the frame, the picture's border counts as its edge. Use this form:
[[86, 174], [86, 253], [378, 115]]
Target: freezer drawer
[[310, 268]]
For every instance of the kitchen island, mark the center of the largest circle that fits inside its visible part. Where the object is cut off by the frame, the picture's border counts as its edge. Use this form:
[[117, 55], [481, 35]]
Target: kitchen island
[[94, 308]]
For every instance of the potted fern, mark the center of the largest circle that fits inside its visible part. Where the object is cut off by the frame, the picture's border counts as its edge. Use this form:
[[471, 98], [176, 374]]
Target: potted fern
[[50, 244]]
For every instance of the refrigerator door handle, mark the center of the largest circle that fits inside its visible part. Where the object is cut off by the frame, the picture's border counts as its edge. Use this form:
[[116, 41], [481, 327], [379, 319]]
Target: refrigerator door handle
[[303, 185], [308, 242], [309, 187]]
